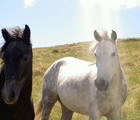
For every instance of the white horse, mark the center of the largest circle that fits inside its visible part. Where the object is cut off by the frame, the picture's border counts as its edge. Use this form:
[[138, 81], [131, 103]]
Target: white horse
[[90, 89]]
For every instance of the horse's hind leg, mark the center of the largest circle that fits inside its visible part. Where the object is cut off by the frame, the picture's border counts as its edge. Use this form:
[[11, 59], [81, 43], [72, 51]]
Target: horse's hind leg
[[48, 102], [66, 113]]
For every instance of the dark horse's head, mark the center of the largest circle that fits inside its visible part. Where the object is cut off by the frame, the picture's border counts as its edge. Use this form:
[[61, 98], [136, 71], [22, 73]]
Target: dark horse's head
[[16, 54]]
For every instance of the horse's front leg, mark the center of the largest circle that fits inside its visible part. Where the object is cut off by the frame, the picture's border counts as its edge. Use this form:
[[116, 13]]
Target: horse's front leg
[[94, 113], [114, 115], [94, 116]]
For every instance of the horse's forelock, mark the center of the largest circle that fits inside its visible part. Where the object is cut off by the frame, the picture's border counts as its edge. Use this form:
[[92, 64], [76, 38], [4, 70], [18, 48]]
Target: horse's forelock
[[16, 34], [105, 35]]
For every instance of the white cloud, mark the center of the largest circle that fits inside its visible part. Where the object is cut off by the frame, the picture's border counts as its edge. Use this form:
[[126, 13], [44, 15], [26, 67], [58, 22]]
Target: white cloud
[[113, 4], [104, 14], [29, 3]]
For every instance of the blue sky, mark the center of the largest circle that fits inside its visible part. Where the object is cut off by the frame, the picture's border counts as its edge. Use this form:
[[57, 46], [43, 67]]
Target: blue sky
[[56, 22]]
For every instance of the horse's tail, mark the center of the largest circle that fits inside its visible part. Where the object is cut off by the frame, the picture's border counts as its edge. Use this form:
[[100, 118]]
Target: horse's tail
[[38, 109]]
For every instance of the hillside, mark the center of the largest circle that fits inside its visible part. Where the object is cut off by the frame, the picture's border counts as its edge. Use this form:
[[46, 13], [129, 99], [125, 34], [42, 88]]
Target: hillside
[[129, 53]]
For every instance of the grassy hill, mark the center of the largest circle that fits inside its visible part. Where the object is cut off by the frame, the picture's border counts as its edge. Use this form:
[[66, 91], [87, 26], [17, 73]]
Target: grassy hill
[[129, 53]]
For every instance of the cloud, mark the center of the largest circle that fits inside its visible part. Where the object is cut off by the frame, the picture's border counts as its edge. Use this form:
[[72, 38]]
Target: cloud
[[29, 3], [112, 4], [104, 14]]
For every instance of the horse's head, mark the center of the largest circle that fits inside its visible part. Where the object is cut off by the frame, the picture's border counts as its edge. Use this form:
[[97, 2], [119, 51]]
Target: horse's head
[[107, 60], [17, 58]]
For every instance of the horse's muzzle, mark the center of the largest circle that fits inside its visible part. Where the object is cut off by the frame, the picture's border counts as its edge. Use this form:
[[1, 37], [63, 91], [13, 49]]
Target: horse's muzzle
[[9, 95], [101, 84]]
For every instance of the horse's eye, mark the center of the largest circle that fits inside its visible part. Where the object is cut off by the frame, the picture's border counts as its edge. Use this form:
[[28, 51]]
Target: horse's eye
[[113, 54], [95, 54], [25, 58], [1, 55]]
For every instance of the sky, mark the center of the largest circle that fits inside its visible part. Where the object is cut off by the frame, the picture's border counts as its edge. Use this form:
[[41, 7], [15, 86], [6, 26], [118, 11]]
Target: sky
[[58, 22]]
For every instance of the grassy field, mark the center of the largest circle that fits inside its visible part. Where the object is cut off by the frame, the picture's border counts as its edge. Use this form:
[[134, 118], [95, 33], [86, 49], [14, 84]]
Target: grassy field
[[129, 53]]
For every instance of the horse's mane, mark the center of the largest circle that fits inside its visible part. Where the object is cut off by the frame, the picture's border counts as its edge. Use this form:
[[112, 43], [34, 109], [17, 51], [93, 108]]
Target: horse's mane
[[93, 46]]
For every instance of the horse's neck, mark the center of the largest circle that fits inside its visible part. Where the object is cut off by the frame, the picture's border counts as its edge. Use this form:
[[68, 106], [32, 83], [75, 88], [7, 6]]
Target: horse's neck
[[27, 89], [117, 80], [120, 76]]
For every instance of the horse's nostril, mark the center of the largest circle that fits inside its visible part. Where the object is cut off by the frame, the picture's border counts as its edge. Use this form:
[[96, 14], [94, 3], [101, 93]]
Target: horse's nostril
[[12, 94], [1, 93], [101, 84]]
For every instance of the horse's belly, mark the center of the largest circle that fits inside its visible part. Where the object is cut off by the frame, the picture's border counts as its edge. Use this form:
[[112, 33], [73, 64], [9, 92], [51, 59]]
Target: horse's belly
[[74, 100]]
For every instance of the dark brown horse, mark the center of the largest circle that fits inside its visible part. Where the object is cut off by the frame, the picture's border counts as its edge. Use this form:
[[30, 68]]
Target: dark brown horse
[[16, 75]]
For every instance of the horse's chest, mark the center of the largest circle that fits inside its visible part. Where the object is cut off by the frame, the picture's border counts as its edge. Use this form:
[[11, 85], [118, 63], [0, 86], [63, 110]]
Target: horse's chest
[[108, 103]]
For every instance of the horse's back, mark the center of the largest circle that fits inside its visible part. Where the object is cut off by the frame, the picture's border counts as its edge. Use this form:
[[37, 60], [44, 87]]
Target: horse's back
[[73, 68], [70, 67]]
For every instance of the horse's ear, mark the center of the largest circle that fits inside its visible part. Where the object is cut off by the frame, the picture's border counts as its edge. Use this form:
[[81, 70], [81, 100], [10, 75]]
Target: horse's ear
[[97, 36], [113, 35], [26, 34], [6, 35]]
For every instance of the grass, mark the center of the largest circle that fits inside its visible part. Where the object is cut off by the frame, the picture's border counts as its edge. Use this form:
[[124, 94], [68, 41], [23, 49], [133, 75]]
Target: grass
[[129, 53]]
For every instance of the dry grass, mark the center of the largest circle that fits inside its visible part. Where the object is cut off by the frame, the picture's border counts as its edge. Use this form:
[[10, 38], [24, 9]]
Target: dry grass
[[129, 52]]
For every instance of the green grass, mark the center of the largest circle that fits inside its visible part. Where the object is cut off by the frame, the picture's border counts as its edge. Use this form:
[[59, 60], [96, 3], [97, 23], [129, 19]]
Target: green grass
[[129, 53]]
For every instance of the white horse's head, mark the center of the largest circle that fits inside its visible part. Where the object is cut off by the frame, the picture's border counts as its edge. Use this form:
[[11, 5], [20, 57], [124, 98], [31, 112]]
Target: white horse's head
[[107, 60]]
